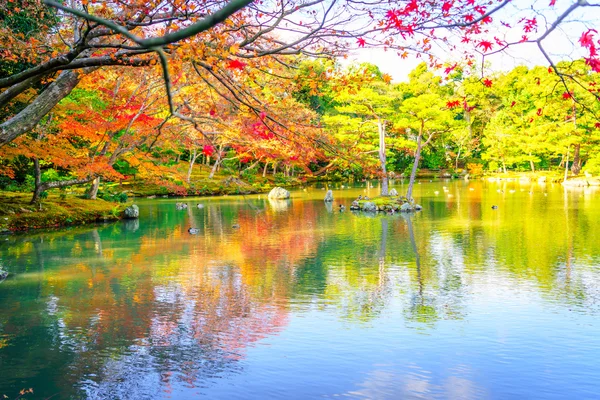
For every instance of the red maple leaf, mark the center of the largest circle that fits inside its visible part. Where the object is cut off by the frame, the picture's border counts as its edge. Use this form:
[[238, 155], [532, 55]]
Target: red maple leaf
[[236, 64], [597, 125], [594, 63], [552, 2], [361, 42], [208, 150], [450, 69], [567, 95], [446, 7], [587, 38], [487, 82], [485, 45], [212, 112], [453, 104], [513, 104], [539, 112]]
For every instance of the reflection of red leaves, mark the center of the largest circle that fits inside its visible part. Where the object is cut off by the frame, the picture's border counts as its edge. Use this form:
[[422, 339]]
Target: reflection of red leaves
[[208, 150], [453, 104], [361, 42], [236, 64], [487, 82], [486, 45]]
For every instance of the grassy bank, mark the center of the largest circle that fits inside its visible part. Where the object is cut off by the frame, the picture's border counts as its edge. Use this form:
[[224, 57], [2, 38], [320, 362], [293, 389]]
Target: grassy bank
[[16, 214]]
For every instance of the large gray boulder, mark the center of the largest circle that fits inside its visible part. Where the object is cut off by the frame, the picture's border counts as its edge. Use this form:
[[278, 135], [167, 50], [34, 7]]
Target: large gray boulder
[[393, 192], [279, 193], [329, 196], [369, 206], [132, 212]]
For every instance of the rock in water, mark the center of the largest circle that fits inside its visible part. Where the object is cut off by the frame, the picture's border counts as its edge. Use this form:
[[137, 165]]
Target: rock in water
[[193, 231], [406, 207], [393, 192], [329, 196], [355, 205], [132, 212], [3, 274], [279, 193], [369, 206], [418, 207]]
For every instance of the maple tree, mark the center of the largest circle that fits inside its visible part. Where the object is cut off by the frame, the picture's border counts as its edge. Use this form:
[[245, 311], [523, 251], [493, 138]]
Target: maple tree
[[228, 37]]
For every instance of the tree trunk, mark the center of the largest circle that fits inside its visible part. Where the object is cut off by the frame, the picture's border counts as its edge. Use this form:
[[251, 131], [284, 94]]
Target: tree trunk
[[37, 174], [43, 186], [193, 157], [93, 192], [28, 118], [216, 165], [413, 173], [382, 158], [274, 168], [567, 166], [531, 164], [576, 166], [503, 166], [456, 162], [265, 169]]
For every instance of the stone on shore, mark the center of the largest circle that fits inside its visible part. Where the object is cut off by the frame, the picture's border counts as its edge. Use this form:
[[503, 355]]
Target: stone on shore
[[132, 212]]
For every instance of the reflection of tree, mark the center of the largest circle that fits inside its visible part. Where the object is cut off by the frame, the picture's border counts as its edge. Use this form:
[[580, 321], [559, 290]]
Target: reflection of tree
[[422, 308], [186, 307]]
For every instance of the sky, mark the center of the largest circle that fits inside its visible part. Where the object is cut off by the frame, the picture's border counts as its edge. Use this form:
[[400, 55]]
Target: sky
[[562, 44]]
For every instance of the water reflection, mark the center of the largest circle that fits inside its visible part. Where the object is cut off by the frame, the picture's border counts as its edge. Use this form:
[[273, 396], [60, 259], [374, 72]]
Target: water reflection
[[142, 309]]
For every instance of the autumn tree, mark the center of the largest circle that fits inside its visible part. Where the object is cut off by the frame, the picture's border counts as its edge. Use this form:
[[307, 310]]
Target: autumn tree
[[424, 113], [364, 115]]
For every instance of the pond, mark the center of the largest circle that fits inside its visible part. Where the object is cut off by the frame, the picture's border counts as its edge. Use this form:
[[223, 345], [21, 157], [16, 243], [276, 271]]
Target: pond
[[294, 299]]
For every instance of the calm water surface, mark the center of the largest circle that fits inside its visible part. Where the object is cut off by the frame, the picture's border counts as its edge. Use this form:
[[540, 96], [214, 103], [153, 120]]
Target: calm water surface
[[301, 301]]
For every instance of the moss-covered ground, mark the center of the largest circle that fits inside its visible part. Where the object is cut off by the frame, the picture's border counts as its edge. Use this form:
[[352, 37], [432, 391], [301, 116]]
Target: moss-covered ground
[[16, 214]]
